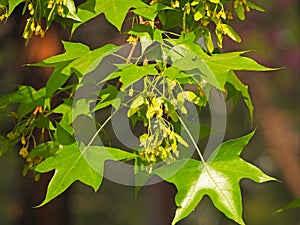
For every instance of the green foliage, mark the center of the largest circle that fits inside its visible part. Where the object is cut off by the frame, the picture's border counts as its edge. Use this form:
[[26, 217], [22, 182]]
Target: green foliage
[[292, 205], [115, 11], [171, 73], [69, 164], [218, 178]]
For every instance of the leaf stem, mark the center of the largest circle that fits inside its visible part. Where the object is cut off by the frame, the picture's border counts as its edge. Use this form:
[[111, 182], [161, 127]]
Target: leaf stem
[[130, 53], [103, 125], [192, 139]]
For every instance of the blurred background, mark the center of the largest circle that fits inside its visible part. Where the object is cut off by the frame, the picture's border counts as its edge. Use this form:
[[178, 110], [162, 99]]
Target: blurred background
[[275, 38]]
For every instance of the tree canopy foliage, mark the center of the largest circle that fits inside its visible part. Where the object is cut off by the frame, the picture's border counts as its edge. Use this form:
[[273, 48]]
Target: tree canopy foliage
[[164, 82]]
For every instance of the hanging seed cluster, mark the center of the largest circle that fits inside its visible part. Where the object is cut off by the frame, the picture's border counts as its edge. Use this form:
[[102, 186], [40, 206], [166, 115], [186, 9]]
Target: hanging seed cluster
[[158, 111]]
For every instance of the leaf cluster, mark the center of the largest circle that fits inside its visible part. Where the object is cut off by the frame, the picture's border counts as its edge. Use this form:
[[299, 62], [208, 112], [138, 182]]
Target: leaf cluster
[[164, 86]]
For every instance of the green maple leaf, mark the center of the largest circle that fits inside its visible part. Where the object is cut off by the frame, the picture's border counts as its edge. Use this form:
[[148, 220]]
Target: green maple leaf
[[77, 58], [223, 67], [12, 4], [292, 205], [71, 164], [150, 12], [130, 73], [217, 69], [115, 11], [218, 178]]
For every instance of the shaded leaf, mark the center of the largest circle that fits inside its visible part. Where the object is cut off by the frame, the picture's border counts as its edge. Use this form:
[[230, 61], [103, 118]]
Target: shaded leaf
[[56, 80], [147, 34], [22, 94], [8, 144], [43, 122], [170, 18], [44, 150], [109, 96], [27, 97], [31, 102], [63, 136], [65, 109], [292, 205]]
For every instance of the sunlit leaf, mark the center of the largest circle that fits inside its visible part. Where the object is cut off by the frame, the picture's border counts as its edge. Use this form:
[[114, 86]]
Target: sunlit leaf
[[150, 12], [218, 178], [240, 12], [12, 4], [115, 11], [71, 165], [254, 6], [130, 73], [228, 30], [218, 68], [71, 10], [64, 112], [78, 58], [73, 50]]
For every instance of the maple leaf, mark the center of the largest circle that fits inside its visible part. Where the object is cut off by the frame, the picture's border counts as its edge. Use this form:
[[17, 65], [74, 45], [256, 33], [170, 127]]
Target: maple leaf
[[71, 164], [115, 10], [77, 58], [130, 73], [217, 69], [218, 178]]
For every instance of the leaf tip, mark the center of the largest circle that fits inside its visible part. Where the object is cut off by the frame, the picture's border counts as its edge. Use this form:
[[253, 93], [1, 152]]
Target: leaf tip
[[41, 204]]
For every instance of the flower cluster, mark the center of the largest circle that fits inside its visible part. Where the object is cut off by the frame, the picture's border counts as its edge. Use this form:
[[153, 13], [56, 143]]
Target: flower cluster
[[132, 40], [58, 5], [33, 24], [3, 12], [198, 14], [160, 144], [161, 141], [158, 107], [241, 3], [24, 138], [40, 15], [23, 134], [33, 28]]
